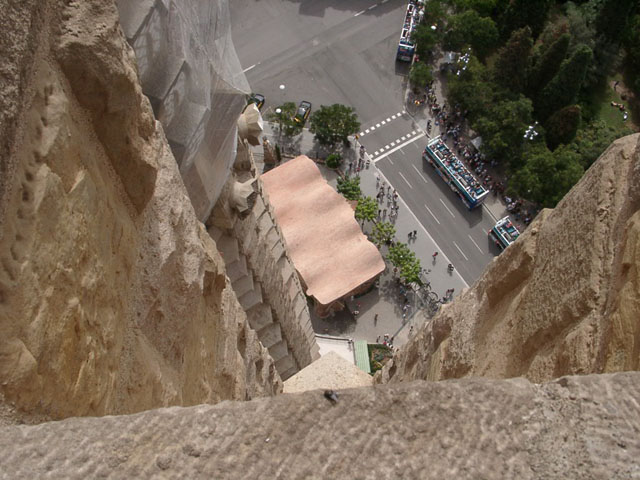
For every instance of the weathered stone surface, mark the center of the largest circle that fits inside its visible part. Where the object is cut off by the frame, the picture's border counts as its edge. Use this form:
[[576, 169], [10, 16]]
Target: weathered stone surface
[[112, 299], [563, 299], [575, 428]]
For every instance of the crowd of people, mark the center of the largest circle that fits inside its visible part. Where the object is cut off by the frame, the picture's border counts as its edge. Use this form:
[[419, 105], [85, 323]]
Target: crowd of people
[[451, 124]]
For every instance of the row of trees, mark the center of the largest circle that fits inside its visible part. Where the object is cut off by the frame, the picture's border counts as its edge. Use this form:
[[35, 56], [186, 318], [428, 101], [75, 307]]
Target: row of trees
[[526, 69], [382, 233]]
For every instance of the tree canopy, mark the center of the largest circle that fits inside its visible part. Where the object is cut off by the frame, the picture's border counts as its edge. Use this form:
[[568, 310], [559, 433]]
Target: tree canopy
[[562, 126], [366, 209], [469, 28], [284, 119], [548, 64], [563, 89], [349, 187], [406, 261], [420, 75], [333, 124], [512, 62], [382, 233], [521, 13]]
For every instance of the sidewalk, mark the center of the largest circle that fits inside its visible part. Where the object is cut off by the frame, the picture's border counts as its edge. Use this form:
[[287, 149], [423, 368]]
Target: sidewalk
[[385, 302]]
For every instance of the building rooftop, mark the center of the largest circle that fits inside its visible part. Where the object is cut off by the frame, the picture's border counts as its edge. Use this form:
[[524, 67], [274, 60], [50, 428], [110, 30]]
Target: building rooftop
[[324, 240]]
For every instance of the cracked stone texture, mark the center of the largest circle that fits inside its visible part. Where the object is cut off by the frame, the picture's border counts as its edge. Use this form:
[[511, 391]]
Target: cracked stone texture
[[113, 297], [584, 427]]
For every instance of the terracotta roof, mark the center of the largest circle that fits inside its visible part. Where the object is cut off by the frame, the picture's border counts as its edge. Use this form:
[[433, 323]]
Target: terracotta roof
[[323, 238]]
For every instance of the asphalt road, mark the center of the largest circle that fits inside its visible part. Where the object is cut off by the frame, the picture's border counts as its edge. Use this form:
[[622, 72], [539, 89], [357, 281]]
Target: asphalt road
[[343, 51]]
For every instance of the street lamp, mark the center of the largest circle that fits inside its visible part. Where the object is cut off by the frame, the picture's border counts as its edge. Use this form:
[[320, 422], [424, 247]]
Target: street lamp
[[531, 133]]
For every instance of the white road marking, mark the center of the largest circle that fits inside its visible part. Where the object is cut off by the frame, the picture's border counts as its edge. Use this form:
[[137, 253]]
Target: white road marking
[[418, 172], [403, 112], [474, 242], [372, 7], [376, 152], [391, 162], [377, 125], [383, 122], [405, 179], [393, 116], [386, 147], [249, 68], [490, 213], [359, 13], [403, 138], [383, 1], [366, 131], [460, 250], [426, 233], [429, 210], [445, 206], [398, 147], [372, 128], [361, 134], [413, 132], [402, 152], [392, 143], [388, 119]]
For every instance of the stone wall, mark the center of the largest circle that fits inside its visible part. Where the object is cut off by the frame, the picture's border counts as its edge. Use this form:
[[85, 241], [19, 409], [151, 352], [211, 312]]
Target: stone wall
[[113, 297], [262, 274], [574, 428]]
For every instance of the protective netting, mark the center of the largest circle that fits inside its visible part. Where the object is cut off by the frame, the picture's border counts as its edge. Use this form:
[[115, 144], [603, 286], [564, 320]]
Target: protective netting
[[191, 73]]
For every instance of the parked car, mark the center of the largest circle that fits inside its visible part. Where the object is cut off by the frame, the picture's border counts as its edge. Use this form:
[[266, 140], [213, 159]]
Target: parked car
[[258, 99], [304, 110]]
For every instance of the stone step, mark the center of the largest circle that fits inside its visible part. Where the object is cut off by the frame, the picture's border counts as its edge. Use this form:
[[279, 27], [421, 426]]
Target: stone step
[[279, 350], [259, 316], [251, 298], [237, 269], [243, 285], [289, 373], [285, 365], [228, 247], [270, 335]]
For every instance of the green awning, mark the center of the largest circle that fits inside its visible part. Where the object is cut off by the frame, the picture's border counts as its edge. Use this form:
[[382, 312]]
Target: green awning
[[362, 356]]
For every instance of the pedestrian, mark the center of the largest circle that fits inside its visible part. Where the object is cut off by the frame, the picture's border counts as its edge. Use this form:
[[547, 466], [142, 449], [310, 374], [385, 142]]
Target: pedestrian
[[384, 213], [378, 339], [435, 254], [415, 232], [375, 318], [379, 211], [410, 330]]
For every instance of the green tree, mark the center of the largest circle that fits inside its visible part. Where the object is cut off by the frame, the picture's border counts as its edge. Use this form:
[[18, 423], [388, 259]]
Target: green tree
[[469, 28], [366, 209], [420, 75], [334, 160], [548, 64], [562, 126], [512, 63], [547, 176], [613, 17], [486, 8], [284, 119], [334, 124], [349, 187], [382, 233], [426, 39], [563, 89], [406, 261], [593, 139], [502, 129], [521, 13], [472, 89]]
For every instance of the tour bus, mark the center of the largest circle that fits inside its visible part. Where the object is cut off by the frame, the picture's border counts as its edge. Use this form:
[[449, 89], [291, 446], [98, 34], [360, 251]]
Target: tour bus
[[455, 174], [504, 233], [406, 47]]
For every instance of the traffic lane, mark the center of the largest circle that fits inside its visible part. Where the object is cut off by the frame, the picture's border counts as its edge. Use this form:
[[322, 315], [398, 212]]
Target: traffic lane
[[439, 233], [389, 135], [341, 74], [464, 245]]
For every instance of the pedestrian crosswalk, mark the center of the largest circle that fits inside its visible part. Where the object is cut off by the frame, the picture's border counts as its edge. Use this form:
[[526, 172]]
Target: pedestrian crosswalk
[[396, 144], [382, 123]]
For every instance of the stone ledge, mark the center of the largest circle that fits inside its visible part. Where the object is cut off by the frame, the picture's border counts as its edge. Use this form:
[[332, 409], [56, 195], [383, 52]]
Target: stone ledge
[[577, 427]]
